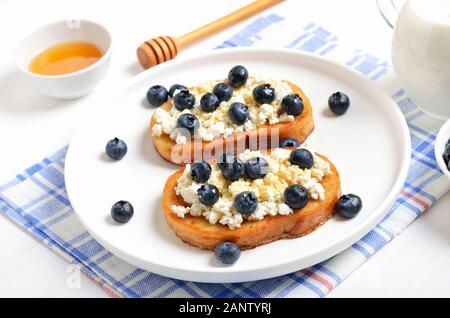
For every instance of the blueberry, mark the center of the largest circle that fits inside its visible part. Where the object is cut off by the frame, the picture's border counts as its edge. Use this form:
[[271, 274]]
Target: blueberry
[[292, 104], [238, 76], [446, 154], [209, 102], [157, 95], [208, 194], [188, 122], [116, 149], [232, 168], [302, 158], [238, 113], [184, 100], [246, 202], [296, 196], [264, 94], [349, 205], [176, 87], [289, 142], [227, 252], [339, 103], [224, 159], [223, 91], [200, 171], [256, 168], [122, 211]]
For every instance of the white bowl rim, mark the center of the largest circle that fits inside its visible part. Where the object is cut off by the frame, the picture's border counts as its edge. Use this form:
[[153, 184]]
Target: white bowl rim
[[441, 140], [104, 57]]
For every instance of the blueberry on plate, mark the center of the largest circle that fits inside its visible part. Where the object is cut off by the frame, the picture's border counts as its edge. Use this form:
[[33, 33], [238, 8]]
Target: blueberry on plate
[[176, 87], [157, 95], [238, 76], [349, 205], [302, 157], [225, 158], [339, 103], [209, 102], [289, 142], [227, 252], [208, 194], [122, 211], [184, 100], [116, 149], [189, 123], [200, 171], [256, 168], [232, 168], [238, 113], [223, 91], [296, 196], [246, 202], [264, 94], [292, 104]]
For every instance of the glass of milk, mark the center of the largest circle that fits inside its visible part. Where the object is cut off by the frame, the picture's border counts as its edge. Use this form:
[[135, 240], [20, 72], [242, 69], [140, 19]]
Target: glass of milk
[[421, 51]]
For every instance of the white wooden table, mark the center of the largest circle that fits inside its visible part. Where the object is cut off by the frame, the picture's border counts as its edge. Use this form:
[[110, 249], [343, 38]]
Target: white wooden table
[[417, 263]]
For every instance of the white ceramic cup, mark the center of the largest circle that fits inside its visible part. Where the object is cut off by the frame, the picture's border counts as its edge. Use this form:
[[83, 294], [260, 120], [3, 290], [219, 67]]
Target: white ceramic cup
[[421, 52], [71, 85]]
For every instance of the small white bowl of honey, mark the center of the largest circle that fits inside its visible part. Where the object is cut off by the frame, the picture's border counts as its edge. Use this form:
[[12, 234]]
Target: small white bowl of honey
[[65, 59]]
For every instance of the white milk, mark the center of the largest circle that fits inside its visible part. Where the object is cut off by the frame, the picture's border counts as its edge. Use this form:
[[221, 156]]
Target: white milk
[[421, 54]]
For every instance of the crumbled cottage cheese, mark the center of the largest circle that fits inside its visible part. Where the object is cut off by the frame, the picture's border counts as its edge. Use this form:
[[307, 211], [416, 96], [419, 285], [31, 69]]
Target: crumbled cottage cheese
[[269, 190], [217, 124]]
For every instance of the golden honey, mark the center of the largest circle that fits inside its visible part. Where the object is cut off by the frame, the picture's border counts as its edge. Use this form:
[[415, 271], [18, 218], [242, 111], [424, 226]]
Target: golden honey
[[65, 58]]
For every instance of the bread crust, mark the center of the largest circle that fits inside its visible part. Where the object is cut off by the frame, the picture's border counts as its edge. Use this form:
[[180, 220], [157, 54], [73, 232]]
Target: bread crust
[[267, 136], [197, 231]]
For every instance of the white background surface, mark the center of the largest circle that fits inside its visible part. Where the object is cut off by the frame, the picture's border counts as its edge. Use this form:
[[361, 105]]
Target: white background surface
[[416, 263]]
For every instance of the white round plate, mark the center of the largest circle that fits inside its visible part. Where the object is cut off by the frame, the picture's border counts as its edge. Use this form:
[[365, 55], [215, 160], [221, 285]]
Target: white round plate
[[370, 146]]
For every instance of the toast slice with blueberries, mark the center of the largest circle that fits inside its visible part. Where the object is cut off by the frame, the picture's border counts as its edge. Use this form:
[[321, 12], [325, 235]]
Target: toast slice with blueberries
[[251, 199], [227, 116]]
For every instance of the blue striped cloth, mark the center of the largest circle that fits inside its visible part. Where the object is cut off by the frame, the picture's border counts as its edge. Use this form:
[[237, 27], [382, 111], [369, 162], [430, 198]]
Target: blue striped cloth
[[37, 200]]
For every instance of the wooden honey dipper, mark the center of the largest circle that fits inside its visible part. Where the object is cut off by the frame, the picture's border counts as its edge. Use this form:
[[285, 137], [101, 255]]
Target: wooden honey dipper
[[164, 48]]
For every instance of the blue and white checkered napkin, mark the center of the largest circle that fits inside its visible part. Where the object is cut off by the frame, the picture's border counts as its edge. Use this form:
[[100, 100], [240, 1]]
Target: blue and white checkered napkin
[[37, 200]]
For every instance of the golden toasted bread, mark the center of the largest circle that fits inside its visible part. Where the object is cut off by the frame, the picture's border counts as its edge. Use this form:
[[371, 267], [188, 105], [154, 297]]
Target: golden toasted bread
[[197, 231], [265, 136]]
